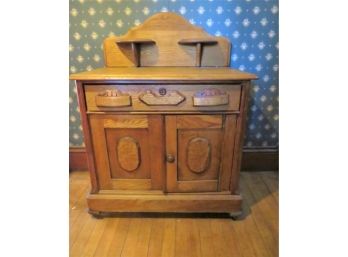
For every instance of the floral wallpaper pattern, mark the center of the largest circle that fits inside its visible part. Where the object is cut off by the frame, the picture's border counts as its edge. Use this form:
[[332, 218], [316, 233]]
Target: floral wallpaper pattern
[[251, 26]]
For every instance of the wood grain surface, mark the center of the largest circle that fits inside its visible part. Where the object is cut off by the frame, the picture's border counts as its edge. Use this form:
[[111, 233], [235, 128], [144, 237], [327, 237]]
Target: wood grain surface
[[164, 73], [166, 39], [127, 151], [255, 234], [178, 97]]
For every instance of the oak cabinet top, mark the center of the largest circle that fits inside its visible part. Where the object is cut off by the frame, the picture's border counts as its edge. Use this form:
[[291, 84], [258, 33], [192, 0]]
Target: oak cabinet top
[[164, 73]]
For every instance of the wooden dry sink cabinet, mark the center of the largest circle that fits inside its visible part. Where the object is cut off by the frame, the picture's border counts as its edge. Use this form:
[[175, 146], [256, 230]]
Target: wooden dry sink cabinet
[[164, 121]]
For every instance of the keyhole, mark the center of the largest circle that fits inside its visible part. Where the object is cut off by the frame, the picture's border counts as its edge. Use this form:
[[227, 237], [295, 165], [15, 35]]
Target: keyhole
[[162, 91]]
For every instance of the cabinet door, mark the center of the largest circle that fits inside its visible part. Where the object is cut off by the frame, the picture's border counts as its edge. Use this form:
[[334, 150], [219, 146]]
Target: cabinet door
[[199, 152], [128, 151]]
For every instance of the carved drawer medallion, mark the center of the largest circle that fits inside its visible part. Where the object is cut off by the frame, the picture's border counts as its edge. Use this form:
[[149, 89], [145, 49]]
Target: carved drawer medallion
[[165, 98], [210, 97], [128, 153], [112, 98], [198, 154]]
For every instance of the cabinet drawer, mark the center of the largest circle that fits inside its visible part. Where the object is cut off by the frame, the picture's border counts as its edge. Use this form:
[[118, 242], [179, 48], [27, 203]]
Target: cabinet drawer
[[220, 97]]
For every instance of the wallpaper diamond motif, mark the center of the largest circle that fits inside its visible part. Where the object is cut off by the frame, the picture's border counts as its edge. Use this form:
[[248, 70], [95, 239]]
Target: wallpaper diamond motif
[[251, 26]]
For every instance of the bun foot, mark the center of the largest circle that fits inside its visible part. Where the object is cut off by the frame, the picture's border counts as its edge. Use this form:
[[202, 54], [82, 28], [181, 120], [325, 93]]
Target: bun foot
[[236, 215], [96, 214]]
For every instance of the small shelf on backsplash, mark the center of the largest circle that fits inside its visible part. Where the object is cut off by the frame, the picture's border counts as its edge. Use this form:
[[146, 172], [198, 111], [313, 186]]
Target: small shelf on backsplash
[[192, 41], [199, 43], [135, 41], [135, 45]]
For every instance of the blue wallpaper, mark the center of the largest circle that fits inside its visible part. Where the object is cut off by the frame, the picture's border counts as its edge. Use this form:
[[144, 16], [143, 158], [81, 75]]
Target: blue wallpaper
[[251, 26]]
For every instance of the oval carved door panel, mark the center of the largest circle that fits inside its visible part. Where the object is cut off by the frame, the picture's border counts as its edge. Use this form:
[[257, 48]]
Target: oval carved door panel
[[128, 153], [198, 154]]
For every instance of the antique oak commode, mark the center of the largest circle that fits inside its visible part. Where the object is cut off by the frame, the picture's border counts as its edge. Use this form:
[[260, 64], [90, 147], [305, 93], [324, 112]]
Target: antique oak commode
[[163, 121]]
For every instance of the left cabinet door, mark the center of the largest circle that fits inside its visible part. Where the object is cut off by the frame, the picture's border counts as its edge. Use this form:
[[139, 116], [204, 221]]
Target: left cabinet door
[[128, 151]]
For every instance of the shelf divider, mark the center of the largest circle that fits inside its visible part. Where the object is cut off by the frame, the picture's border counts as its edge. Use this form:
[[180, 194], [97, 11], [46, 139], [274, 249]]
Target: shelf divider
[[199, 42], [135, 45]]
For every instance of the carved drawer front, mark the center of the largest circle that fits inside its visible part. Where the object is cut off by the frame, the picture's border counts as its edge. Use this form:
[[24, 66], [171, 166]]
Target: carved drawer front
[[199, 152], [128, 151], [180, 97], [112, 98], [162, 99], [210, 97]]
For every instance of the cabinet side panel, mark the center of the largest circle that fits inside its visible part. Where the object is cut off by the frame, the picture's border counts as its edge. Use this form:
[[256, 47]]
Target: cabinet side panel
[[227, 152], [241, 123], [87, 136], [100, 152]]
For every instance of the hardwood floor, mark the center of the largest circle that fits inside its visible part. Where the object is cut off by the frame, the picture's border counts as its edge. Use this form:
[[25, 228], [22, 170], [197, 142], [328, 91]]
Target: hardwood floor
[[255, 234]]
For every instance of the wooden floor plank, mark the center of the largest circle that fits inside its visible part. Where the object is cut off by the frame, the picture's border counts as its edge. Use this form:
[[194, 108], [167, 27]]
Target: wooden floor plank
[[156, 238], [143, 237], [119, 237], [187, 241], [206, 238], [243, 238], [82, 238], [77, 203], [271, 181], [224, 242], [76, 188], [169, 234], [106, 238], [254, 235], [93, 241], [269, 238], [138, 237], [76, 228], [248, 237], [264, 198]]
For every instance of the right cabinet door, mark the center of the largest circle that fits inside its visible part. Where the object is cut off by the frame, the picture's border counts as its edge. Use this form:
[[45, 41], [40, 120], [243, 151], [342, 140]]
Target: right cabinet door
[[199, 152]]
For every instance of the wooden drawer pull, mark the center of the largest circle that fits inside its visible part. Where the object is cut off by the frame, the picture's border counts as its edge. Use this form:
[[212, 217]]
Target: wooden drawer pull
[[210, 97], [113, 98], [170, 98]]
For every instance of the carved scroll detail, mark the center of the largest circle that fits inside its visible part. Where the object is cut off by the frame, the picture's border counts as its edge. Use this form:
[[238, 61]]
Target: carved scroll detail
[[170, 98], [112, 98], [210, 97], [128, 153], [198, 154]]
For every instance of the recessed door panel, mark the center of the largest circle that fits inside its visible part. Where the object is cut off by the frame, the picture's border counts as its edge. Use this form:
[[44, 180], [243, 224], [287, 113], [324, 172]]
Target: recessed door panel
[[199, 155], [128, 152]]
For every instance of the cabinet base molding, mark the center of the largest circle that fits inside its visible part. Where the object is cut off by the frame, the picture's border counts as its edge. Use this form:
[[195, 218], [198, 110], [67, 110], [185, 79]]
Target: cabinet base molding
[[164, 203]]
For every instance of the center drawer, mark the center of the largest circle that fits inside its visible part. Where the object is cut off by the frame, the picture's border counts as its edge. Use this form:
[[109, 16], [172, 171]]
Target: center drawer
[[221, 97]]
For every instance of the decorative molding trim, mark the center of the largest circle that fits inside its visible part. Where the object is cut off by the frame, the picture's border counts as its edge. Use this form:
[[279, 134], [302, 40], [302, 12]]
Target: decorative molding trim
[[77, 158], [254, 159], [260, 159]]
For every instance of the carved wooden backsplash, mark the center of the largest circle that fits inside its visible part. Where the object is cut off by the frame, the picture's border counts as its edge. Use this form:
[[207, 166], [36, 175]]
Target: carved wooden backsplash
[[166, 39]]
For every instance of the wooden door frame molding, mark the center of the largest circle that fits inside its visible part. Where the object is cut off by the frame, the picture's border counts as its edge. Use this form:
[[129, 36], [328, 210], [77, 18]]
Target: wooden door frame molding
[[254, 159]]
